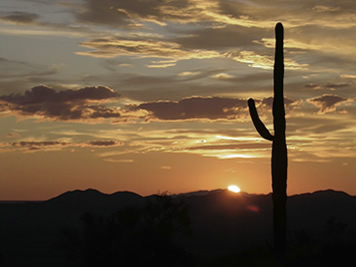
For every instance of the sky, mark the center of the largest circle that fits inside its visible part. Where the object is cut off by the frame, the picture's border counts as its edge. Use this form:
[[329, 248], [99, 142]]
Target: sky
[[150, 96]]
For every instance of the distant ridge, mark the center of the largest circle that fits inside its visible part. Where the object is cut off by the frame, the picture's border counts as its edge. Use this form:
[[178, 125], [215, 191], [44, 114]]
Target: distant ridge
[[93, 200], [90, 193], [94, 193], [199, 193], [77, 194], [324, 192]]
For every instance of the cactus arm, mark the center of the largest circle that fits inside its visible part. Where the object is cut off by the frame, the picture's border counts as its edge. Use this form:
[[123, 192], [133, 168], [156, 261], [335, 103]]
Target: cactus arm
[[260, 127]]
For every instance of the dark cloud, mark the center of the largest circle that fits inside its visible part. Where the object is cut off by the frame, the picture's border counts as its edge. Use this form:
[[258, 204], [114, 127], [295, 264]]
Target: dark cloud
[[62, 105], [104, 143], [43, 93], [57, 145], [220, 12], [212, 108], [196, 108], [20, 17], [326, 102], [40, 145], [290, 104], [123, 12], [230, 36], [268, 102]]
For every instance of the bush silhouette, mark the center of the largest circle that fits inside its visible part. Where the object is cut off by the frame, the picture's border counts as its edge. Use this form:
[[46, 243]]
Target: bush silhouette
[[279, 147], [131, 236]]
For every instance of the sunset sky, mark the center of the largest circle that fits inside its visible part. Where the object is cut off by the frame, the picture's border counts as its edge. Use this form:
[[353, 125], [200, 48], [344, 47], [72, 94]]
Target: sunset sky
[[151, 95]]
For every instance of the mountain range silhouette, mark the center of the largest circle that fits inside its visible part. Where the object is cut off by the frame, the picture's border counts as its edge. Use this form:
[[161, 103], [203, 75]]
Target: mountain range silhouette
[[222, 222]]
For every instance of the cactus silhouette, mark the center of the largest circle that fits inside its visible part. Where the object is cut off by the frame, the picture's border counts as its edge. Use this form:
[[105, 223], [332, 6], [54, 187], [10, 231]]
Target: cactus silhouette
[[279, 147]]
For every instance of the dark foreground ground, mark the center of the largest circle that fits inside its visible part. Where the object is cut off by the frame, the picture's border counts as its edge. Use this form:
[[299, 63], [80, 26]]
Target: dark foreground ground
[[215, 228]]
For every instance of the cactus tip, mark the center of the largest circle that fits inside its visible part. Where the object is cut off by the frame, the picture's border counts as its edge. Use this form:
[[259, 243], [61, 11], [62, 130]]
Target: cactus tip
[[279, 28]]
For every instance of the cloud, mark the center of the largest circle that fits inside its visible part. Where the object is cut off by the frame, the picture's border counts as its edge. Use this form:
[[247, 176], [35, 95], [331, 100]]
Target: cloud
[[268, 102], [45, 102], [222, 76], [225, 38], [20, 17], [215, 13], [162, 63], [34, 146], [211, 108], [327, 86], [313, 86], [132, 13], [336, 85], [348, 76], [40, 145], [265, 106], [327, 102], [322, 8], [12, 135], [122, 12], [224, 147], [14, 69], [113, 160], [104, 143], [197, 45], [263, 61], [167, 168], [189, 73], [114, 65], [109, 47]]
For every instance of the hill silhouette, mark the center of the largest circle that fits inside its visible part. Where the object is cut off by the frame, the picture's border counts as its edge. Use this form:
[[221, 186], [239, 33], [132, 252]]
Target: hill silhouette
[[94, 201], [222, 223]]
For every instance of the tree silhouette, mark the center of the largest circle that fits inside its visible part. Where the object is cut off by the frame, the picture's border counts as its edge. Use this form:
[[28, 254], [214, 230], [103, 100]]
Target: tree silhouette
[[279, 147]]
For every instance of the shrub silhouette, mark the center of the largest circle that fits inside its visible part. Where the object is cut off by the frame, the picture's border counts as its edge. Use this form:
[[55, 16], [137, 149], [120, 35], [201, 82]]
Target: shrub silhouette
[[131, 236], [279, 147]]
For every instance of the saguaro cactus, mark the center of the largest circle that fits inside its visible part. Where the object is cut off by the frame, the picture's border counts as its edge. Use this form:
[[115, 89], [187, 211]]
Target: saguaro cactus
[[279, 147]]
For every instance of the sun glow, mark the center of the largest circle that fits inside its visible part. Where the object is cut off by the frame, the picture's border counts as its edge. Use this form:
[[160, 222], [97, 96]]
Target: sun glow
[[234, 188]]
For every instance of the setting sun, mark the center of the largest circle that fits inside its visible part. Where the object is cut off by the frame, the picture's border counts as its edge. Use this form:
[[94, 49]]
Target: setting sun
[[234, 188]]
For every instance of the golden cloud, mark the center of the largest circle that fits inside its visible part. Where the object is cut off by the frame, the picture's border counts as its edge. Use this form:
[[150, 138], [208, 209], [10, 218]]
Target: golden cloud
[[112, 47], [255, 60]]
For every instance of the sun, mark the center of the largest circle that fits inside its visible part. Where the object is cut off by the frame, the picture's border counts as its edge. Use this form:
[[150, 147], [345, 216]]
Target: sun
[[234, 188]]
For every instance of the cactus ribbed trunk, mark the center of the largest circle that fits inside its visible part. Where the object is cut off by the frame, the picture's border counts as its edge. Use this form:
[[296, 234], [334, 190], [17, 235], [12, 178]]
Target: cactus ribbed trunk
[[279, 147]]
